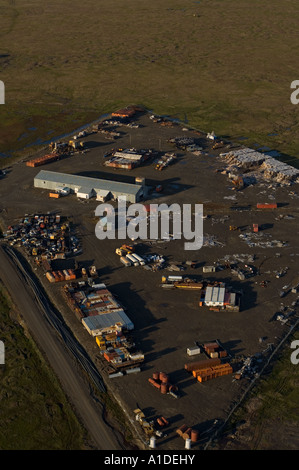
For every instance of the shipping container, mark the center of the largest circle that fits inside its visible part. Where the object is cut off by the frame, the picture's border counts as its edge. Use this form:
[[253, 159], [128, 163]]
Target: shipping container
[[211, 345], [208, 269], [43, 160], [133, 370], [213, 372], [213, 355], [201, 364], [193, 351], [266, 205]]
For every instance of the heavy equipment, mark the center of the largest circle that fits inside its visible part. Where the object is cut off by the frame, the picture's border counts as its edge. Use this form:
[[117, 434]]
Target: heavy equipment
[[124, 250], [76, 145]]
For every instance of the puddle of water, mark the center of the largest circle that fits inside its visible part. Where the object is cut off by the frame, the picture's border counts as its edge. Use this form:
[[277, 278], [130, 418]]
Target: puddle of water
[[273, 153]]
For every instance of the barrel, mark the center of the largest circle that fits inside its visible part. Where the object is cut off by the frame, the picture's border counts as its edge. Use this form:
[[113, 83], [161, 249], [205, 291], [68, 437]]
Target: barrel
[[194, 435], [164, 388], [156, 375], [154, 383], [164, 379], [161, 376], [165, 421]]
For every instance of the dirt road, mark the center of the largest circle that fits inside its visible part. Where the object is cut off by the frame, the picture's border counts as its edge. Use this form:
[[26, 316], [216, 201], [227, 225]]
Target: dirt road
[[59, 358]]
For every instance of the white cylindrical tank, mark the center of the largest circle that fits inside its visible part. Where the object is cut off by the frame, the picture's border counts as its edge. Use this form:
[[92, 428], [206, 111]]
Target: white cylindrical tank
[[152, 442], [188, 444]]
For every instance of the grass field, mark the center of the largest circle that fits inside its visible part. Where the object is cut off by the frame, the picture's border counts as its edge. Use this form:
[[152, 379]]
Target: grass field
[[225, 65], [269, 417], [35, 414]]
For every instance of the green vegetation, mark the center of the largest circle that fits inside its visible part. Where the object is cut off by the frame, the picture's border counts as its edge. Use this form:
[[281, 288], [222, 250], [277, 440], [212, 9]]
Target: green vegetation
[[35, 414], [271, 410], [224, 65]]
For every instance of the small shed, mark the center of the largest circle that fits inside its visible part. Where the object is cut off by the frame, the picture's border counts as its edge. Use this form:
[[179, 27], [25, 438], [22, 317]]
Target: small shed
[[103, 195], [85, 193]]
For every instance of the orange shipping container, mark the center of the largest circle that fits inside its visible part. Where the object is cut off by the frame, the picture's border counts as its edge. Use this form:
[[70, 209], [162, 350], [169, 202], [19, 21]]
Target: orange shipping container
[[202, 364], [266, 205]]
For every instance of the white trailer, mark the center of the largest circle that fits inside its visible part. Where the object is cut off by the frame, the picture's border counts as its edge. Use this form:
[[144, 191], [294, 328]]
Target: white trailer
[[125, 261], [138, 258], [133, 260]]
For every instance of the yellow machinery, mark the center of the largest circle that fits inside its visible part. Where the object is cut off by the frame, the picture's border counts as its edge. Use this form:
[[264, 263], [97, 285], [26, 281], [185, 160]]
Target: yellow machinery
[[76, 145], [124, 250], [146, 426]]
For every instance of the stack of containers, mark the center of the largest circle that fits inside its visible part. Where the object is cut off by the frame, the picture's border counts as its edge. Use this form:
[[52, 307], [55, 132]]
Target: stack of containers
[[214, 350], [217, 371]]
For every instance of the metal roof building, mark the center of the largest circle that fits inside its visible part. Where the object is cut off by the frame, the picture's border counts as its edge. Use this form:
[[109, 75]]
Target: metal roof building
[[214, 296], [53, 180], [98, 324]]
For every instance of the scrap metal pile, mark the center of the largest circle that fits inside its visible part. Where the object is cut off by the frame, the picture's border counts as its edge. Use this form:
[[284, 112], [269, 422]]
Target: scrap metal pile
[[266, 166], [44, 235]]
